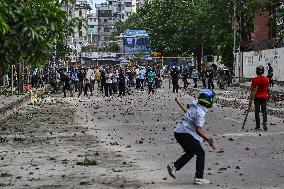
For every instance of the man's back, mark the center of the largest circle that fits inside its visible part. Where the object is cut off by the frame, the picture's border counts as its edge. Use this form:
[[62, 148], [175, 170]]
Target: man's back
[[262, 84]]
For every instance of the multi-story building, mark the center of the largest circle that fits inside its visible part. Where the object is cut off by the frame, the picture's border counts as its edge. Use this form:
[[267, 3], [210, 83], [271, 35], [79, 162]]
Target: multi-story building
[[80, 9], [136, 4], [93, 25], [109, 13], [77, 35], [265, 35]]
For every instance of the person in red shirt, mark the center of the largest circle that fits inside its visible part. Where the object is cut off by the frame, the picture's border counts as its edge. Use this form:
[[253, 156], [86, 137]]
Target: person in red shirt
[[260, 94]]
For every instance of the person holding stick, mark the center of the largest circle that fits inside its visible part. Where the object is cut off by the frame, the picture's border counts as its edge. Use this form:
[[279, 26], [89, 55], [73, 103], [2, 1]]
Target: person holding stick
[[259, 94], [189, 133]]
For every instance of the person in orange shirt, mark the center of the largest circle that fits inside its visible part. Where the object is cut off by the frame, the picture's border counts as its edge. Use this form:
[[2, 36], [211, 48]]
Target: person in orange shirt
[[259, 94]]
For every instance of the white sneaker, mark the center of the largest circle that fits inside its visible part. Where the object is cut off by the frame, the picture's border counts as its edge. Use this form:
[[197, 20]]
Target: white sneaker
[[200, 181], [172, 170]]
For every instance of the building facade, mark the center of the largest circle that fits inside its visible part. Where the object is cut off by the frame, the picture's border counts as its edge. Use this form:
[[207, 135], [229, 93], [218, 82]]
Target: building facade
[[78, 35], [109, 13], [264, 35], [136, 4], [93, 25]]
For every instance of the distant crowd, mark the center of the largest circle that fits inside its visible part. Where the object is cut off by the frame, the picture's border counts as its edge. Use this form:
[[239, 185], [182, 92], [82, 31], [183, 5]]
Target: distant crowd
[[113, 80]]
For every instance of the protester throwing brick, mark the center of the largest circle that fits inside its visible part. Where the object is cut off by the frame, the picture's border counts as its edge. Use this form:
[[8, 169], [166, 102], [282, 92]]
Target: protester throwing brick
[[189, 133]]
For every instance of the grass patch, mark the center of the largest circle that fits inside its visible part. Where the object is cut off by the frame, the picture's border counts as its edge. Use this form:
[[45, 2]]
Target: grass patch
[[5, 175], [18, 139], [87, 162]]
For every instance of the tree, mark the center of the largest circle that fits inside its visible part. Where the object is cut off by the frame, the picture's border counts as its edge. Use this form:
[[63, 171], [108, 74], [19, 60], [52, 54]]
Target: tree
[[184, 27], [35, 27], [4, 11]]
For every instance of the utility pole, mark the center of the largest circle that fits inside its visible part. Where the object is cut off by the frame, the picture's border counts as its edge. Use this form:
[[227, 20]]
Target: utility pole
[[202, 55], [12, 79], [235, 37], [240, 53]]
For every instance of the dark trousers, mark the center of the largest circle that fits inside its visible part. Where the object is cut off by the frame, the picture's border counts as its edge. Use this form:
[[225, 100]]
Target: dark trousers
[[192, 147], [103, 86], [122, 89], [260, 103], [204, 82], [271, 82], [185, 83], [195, 82], [80, 88], [150, 87], [108, 89], [141, 81], [88, 86], [137, 83], [66, 87], [114, 87], [210, 83], [175, 85]]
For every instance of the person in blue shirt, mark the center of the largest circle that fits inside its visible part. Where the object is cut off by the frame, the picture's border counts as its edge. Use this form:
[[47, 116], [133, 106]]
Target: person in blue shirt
[[189, 134]]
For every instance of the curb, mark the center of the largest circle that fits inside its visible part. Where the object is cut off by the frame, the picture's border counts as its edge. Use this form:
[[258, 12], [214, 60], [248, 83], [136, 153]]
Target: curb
[[11, 108]]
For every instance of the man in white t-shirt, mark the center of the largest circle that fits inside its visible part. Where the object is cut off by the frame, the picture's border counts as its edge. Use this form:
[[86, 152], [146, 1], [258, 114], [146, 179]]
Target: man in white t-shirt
[[189, 134], [88, 81], [109, 80]]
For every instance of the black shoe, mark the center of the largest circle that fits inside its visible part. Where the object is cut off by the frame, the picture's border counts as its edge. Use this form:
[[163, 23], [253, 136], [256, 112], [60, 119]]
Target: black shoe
[[265, 126], [257, 128]]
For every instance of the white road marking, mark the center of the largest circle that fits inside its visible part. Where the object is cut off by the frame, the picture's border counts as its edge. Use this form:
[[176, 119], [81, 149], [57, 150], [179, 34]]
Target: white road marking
[[263, 133]]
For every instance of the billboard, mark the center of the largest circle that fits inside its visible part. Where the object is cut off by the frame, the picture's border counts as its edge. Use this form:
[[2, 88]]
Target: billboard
[[136, 41]]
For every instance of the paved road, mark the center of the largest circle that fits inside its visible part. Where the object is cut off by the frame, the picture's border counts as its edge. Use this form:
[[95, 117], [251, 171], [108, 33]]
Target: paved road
[[131, 140]]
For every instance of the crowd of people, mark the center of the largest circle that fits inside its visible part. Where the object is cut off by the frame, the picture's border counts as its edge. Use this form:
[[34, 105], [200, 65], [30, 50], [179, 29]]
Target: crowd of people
[[112, 80], [109, 80]]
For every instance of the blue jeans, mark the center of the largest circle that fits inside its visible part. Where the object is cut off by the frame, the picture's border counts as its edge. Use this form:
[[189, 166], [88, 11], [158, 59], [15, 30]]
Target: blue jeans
[[192, 147]]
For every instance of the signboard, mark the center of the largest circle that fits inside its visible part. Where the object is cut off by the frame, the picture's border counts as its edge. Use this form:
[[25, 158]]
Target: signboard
[[136, 41], [93, 31]]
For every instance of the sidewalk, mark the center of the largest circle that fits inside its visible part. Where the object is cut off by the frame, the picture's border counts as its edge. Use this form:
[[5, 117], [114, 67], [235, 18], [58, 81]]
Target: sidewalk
[[9, 104], [275, 90]]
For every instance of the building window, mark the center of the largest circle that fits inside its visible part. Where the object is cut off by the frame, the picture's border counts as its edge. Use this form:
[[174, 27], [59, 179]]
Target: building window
[[105, 20], [106, 29], [80, 33], [80, 13]]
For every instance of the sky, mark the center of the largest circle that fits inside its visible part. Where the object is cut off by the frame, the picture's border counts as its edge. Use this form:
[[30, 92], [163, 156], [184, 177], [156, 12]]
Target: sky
[[97, 2]]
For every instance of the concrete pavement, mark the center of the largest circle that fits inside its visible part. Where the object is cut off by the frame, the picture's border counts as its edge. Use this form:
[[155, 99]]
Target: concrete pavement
[[131, 139]]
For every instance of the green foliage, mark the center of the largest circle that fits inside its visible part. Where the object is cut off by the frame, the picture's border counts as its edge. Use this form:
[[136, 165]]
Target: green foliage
[[183, 27], [35, 27], [90, 48], [112, 47], [5, 10], [277, 19]]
